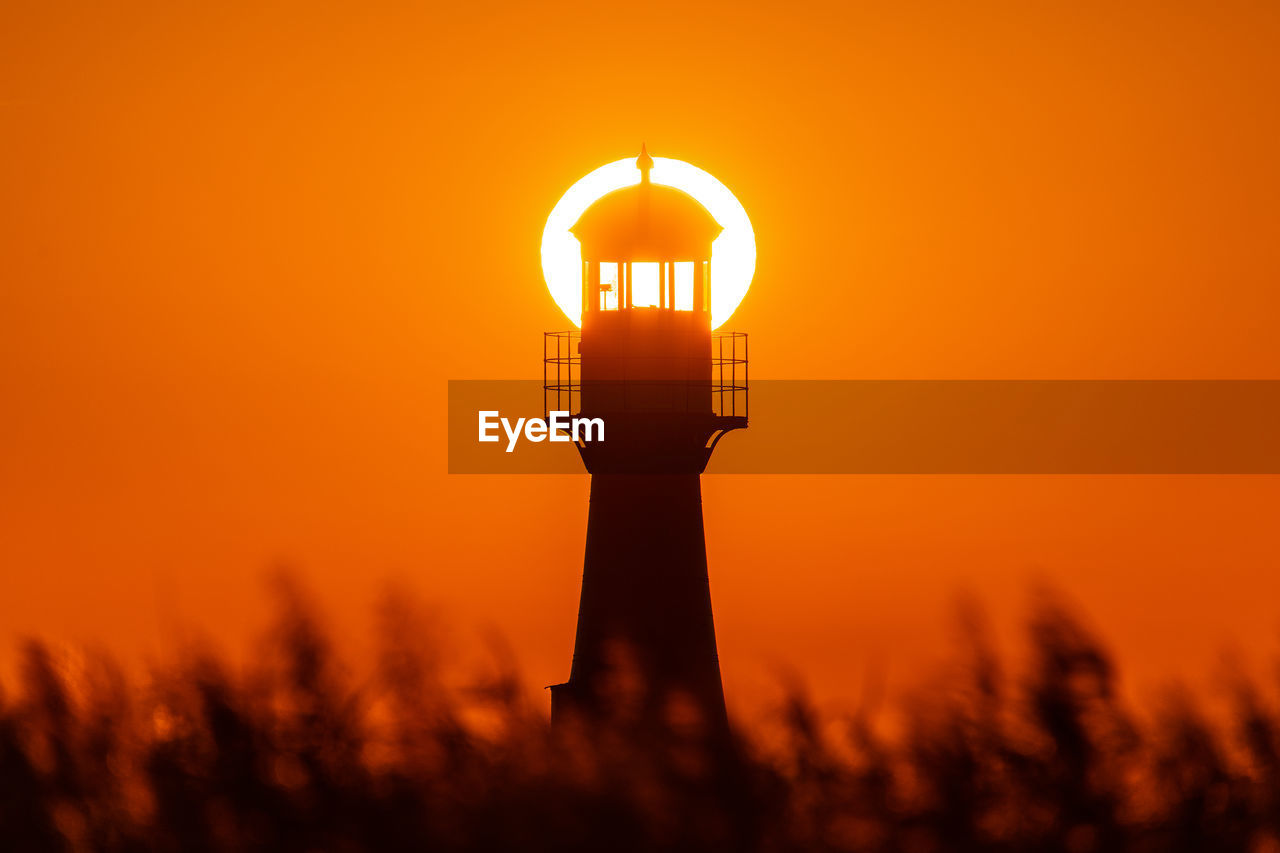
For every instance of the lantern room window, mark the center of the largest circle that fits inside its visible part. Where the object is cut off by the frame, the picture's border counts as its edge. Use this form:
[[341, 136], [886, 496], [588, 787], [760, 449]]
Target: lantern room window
[[644, 285], [684, 286], [609, 288]]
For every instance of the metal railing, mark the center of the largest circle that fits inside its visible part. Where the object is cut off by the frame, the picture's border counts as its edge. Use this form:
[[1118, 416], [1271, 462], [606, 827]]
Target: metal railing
[[562, 374], [727, 393]]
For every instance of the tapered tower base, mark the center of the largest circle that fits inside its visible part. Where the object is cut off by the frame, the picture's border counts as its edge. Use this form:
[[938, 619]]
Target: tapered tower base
[[645, 652]]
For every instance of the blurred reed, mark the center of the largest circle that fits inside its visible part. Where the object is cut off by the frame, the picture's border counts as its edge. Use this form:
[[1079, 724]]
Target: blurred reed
[[301, 753]]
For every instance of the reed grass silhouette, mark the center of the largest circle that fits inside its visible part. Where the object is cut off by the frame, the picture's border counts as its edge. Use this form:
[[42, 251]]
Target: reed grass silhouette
[[301, 753]]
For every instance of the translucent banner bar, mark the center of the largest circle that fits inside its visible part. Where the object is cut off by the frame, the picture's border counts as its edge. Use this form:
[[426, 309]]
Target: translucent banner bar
[[924, 427]]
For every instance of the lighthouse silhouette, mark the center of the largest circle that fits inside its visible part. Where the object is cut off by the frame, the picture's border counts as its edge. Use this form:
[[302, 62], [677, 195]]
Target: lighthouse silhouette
[[668, 389]]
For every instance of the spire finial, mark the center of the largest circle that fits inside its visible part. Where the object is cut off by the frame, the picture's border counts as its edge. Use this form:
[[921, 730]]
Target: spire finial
[[644, 163]]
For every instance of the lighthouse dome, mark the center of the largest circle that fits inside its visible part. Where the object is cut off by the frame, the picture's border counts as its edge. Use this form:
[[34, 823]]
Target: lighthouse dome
[[646, 222]]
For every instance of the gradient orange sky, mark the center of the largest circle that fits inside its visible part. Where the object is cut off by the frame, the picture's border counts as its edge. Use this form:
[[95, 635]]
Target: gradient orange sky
[[243, 247]]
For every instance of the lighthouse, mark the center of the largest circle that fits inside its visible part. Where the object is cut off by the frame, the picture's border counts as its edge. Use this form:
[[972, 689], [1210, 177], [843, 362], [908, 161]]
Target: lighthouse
[[667, 388]]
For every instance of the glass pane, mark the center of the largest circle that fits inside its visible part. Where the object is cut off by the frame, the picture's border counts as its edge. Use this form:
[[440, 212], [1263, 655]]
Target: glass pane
[[684, 286], [644, 285], [608, 287]]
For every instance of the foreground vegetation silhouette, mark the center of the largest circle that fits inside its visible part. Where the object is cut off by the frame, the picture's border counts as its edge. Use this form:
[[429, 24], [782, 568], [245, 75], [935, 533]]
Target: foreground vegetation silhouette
[[298, 754]]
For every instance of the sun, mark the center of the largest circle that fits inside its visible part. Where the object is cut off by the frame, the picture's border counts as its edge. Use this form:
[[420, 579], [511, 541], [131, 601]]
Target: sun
[[733, 254]]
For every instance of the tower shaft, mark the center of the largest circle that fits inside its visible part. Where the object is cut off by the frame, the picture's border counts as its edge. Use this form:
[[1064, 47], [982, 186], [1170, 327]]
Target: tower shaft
[[646, 644]]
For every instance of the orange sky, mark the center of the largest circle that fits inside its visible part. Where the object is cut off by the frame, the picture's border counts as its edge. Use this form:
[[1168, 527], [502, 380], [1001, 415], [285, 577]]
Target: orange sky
[[243, 248]]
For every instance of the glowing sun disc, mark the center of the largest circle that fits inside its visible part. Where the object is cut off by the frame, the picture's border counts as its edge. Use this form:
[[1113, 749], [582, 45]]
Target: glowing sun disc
[[733, 254]]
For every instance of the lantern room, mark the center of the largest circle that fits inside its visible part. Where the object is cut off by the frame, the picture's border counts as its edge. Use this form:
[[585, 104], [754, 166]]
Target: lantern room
[[646, 246], [646, 344]]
